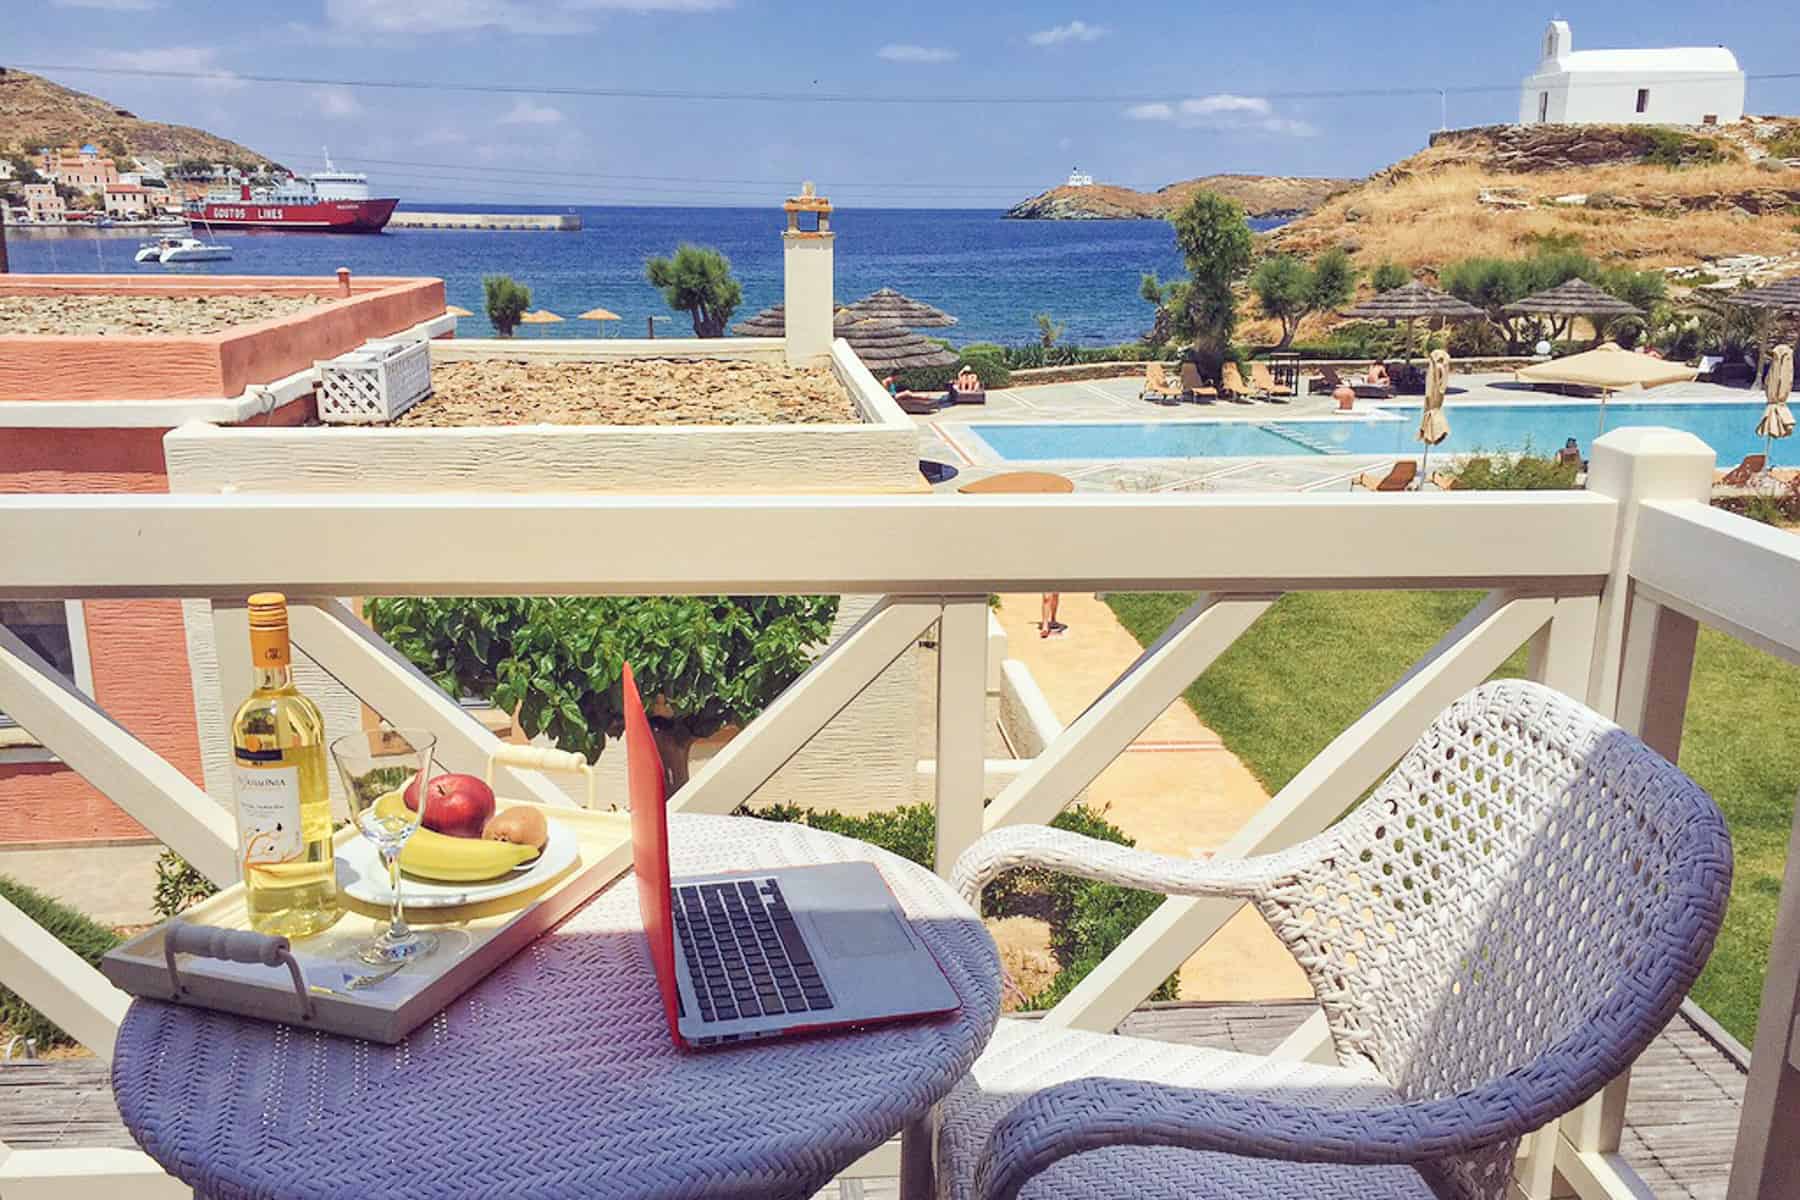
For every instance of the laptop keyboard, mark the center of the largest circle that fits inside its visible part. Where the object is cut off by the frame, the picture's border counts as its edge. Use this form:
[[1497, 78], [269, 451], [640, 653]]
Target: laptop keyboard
[[744, 951]]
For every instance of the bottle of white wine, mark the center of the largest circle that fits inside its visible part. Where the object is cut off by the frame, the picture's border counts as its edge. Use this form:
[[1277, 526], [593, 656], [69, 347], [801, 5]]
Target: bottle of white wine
[[283, 796]]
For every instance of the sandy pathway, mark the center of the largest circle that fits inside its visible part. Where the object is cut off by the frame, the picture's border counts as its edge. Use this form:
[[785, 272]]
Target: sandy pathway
[[1177, 790]]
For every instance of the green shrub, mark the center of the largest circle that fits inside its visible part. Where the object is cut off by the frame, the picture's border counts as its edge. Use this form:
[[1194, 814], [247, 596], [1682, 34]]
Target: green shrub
[[909, 831], [86, 937], [989, 364], [507, 299], [1787, 145], [178, 885], [1673, 148], [1515, 473], [1388, 276], [1781, 509]]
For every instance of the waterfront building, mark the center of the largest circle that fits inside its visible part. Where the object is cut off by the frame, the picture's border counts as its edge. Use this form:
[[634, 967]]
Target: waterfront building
[[128, 200], [7, 170], [42, 203], [85, 168], [1689, 85]]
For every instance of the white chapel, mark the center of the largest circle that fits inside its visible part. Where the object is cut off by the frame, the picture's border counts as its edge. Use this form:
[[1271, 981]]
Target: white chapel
[[1690, 85]]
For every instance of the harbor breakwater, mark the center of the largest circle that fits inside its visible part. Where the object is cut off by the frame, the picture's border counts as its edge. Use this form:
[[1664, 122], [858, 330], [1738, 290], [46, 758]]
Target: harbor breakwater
[[526, 222]]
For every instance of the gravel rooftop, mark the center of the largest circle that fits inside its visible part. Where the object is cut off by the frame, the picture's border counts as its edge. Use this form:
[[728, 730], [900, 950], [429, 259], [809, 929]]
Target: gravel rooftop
[[140, 315], [638, 391]]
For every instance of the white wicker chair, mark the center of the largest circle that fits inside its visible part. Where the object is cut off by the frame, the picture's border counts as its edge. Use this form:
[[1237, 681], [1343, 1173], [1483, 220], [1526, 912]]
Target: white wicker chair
[[1497, 931]]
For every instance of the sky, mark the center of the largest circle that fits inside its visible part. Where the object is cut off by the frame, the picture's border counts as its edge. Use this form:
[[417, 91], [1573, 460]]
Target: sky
[[1140, 94]]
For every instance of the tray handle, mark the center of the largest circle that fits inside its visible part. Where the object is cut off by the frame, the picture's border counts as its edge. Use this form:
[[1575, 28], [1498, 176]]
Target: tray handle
[[540, 758], [232, 945]]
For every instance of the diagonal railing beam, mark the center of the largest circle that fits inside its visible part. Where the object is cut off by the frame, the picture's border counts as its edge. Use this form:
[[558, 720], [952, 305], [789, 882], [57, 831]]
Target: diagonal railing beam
[[834, 679], [345, 648], [59, 983], [1125, 709], [103, 752], [1462, 659]]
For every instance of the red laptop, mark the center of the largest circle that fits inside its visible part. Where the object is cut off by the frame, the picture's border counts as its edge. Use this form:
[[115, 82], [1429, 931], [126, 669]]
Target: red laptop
[[761, 954]]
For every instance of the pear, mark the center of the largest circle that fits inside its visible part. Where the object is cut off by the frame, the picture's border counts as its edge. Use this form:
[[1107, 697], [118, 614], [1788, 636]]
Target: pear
[[521, 825]]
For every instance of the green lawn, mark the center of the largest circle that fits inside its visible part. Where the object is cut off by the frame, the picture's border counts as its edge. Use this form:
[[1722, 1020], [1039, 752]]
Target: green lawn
[[1316, 660]]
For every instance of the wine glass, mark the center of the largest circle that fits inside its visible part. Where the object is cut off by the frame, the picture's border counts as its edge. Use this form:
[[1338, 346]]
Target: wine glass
[[377, 766]]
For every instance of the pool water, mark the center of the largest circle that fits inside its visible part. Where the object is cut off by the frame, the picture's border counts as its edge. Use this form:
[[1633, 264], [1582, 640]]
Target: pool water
[[1729, 427]]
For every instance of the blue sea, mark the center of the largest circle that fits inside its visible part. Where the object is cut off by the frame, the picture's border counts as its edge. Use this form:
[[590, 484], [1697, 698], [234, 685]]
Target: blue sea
[[992, 274]]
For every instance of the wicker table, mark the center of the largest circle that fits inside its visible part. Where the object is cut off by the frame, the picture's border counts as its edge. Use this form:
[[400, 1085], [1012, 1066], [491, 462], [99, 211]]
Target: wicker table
[[556, 1076]]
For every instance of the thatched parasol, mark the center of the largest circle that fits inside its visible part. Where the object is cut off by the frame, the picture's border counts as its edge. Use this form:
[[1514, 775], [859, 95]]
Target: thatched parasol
[[1573, 298], [1783, 296], [598, 314], [889, 305], [1412, 302], [539, 316], [456, 310], [886, 346], [770, 322]]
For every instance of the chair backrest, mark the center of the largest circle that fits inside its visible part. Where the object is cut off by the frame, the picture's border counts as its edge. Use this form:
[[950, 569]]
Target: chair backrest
[[1154, 379], [1190, 377], [1404, 472], [1260, 376], [1329, 376], [1233, 378], [1753, 464], [1532, 890]]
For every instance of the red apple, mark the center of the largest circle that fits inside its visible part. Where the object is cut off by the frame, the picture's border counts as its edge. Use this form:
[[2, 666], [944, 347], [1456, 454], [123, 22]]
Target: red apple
[[455, 805]]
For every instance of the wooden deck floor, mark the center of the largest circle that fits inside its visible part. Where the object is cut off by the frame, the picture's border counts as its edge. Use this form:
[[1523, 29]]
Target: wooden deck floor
[[1679, 1125]]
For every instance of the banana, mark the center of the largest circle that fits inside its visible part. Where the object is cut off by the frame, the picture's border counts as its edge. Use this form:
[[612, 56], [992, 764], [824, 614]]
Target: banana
[[432, 855]]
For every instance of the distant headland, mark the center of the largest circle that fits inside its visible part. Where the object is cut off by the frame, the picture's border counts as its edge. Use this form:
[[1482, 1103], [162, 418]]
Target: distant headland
[[1265, 196]]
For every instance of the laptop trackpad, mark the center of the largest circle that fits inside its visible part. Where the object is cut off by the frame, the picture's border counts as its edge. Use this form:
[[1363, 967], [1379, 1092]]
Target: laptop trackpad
[[860, 933]]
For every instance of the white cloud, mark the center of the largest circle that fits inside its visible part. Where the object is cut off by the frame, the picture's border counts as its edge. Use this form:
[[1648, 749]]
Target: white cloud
[[110, 5], [338, 102], [1223, 111], [525, 112], [905, 52], [510, 16], [184, 59], [1074, 31]]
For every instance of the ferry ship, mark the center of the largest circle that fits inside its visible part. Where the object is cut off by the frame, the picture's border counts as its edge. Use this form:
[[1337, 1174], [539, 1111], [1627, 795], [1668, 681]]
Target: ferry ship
[[329, 201]]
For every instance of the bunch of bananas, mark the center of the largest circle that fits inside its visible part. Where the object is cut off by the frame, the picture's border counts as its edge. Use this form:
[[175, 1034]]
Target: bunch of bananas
[[432, 855]]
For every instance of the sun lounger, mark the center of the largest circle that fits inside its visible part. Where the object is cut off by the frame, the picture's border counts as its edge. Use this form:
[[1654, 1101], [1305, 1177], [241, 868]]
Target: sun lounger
[[1443, 481], [1158, 387], [1262, 381], [977, 397], [1232, 383], [1745, 472], [918, 403], [1191, 385], [1398, 479], [1325, 382]]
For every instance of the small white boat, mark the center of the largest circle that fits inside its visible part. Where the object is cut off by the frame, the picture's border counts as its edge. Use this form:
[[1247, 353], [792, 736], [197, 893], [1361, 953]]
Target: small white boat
[[192, 249], [153, 251]]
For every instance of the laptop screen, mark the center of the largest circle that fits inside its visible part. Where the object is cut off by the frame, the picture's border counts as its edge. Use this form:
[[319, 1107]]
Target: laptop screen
[[650, 842]]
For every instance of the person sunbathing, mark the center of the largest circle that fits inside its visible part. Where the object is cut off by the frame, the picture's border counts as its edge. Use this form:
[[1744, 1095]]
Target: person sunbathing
[[967, 380], [1377, 376]]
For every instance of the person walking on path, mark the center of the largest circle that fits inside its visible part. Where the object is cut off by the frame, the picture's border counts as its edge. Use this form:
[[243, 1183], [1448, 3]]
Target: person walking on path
[[1048, 624]]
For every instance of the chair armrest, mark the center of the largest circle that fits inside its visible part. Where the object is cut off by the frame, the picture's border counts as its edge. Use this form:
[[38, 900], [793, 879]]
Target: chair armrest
[[1090, 1114], [1108, 862]]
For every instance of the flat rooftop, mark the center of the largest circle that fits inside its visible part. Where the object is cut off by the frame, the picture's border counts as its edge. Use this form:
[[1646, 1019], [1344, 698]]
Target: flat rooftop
[[632, 391], [116, 315]]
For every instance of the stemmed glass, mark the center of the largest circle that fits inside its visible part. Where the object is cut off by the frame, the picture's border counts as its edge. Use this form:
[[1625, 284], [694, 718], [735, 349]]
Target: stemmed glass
[[377, 765]]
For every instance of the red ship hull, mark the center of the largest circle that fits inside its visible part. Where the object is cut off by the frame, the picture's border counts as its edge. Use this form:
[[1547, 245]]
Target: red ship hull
[[317, 216]]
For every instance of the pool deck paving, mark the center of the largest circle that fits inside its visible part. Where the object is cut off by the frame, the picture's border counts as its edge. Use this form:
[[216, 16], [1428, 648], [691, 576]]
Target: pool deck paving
[[946, 436]]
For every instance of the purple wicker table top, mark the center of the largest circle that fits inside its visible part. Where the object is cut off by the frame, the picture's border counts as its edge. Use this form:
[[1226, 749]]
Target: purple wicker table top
[[556, 1077]]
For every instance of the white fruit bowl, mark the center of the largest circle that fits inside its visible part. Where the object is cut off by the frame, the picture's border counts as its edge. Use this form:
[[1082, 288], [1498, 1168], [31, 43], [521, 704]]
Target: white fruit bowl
[[362, 875]]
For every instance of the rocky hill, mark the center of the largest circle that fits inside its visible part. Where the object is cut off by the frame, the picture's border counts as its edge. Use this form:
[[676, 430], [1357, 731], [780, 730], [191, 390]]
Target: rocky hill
[[1642, 195], [1261, 196], [36, 112]]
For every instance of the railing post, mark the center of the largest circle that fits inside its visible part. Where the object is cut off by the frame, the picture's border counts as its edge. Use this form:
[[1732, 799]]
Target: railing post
[[1632, 466], [961, 725], [1767, 1159], [1641, 659]]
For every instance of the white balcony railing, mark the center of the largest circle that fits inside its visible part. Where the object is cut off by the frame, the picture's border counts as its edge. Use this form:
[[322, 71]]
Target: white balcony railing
[[1606, 587]]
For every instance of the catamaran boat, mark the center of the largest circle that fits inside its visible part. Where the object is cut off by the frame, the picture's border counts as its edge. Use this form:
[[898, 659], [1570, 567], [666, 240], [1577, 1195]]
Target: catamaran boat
[[182, 250]]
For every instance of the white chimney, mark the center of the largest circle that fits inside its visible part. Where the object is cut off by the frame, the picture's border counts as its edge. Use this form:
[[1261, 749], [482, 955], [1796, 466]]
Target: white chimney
[[807, 283]]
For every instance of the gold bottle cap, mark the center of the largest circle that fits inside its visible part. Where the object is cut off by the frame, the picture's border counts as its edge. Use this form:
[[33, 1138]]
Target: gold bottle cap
[[268, 610]]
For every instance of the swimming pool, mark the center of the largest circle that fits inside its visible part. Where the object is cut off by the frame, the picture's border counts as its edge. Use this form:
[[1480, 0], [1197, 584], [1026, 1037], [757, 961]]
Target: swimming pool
[[1729, 427]]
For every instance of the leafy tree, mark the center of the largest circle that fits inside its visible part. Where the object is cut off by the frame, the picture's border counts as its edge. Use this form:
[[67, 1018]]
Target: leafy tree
[[193, 168], [1388, 276], [507, 300], [1048, 330], [1214, 238], [701, 662], [1170, 301], [1288, 289], [698, 281]]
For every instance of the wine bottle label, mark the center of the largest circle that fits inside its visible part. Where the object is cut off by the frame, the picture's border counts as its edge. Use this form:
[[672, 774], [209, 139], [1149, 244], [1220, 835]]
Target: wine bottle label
[[268, 803]]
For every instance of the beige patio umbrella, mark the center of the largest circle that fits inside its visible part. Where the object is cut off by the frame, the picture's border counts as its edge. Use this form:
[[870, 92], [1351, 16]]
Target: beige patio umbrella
[[1777, 421], [1434, 427], [455, 310], [599, 314], [540, 316], [1610, 369]]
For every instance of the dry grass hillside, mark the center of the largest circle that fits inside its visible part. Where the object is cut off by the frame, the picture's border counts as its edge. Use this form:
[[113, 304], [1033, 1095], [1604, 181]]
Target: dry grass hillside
[[1261, 195], [1492, 191], [36, 112]]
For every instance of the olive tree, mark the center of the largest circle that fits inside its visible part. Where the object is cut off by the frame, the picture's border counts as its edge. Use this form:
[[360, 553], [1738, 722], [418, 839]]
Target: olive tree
[[701, 662], [1289, 289], [697, 280], [1214, 239]]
